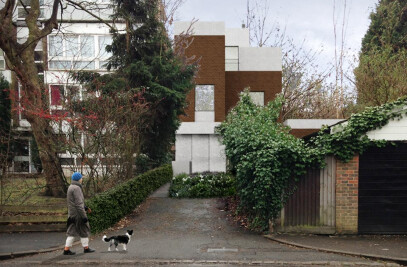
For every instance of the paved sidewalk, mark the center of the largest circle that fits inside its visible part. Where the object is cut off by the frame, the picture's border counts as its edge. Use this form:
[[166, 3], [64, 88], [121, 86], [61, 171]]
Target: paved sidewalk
[[197, 231], [379, 247]]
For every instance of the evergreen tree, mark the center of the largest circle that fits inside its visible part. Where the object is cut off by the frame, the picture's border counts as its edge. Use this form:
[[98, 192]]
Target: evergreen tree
[[145, 58], [388, 26], [144, 62], [380, 76]]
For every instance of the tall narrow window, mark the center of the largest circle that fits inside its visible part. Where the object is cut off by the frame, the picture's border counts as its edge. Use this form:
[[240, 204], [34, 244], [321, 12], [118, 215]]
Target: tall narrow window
[[57, 94], [204, 98], [2, 62]]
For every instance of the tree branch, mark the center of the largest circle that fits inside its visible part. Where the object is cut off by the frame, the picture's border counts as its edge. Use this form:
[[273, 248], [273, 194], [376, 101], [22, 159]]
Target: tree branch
[[81, 7]]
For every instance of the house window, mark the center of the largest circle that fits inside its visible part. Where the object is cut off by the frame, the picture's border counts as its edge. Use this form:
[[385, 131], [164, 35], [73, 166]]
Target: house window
[[257, 98], [2, 61], [23, 8], [57, 94], [204, 98], [78, 51], [60, 94], [231, 58], [21, 149]]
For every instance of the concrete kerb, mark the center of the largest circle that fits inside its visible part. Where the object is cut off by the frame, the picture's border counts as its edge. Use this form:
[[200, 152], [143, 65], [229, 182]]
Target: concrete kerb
[[12, 255], [180, 262], [402, 261]]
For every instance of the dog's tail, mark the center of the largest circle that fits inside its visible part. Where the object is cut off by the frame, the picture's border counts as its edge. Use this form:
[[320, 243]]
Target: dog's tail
[[105, 239]]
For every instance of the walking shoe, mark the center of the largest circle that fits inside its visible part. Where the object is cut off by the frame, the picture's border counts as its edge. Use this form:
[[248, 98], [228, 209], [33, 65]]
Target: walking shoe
[[88, 250], [69, 252]]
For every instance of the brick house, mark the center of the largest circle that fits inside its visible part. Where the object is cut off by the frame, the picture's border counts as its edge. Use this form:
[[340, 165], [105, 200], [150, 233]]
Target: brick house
[[228, 65]]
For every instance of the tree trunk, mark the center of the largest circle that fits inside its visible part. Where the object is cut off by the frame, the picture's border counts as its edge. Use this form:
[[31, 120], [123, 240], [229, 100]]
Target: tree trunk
[[55, 181], [35, 102]]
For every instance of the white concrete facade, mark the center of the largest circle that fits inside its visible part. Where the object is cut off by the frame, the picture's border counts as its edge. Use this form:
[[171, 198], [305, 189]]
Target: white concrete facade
[[198, 148], [260, 59]]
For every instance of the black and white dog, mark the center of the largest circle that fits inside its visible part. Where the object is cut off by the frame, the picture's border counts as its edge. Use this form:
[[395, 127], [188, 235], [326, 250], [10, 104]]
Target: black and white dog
[[118, 239]]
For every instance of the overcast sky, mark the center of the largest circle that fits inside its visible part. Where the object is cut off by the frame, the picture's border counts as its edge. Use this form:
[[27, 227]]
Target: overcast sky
[[311, 20]]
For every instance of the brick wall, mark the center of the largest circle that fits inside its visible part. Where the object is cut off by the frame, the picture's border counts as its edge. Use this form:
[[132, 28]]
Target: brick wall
[[210, 50], [347, 183], [268, 82]]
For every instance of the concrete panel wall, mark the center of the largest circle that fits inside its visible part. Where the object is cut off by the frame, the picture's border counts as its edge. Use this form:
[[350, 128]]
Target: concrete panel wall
[[260, 59], [184, 147], [200, 153], [217, 157], [204, 116], [237, 37], [269, 82], [395, 130]]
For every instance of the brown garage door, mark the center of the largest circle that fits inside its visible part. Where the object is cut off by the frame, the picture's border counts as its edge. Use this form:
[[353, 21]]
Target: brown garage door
[[383, 190]]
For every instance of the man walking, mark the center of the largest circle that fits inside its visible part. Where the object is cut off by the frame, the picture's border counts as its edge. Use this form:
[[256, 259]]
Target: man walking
[[77, 223]]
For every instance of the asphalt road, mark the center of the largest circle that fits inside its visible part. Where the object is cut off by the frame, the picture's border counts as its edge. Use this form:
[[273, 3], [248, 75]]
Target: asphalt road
[[190, 232]]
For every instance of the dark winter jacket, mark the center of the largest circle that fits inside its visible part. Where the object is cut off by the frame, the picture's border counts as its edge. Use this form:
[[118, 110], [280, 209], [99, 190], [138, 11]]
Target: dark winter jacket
[[78, 224]]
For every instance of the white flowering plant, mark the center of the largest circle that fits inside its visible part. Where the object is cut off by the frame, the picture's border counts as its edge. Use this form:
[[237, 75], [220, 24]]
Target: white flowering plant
[[203, 185]]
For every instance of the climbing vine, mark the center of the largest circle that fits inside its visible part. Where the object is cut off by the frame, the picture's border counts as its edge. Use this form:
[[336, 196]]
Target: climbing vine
[[349, 138], [264, 157], [267, 160]]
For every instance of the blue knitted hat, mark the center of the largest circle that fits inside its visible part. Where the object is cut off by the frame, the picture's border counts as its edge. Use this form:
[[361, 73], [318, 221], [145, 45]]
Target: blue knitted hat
[[76, 176]]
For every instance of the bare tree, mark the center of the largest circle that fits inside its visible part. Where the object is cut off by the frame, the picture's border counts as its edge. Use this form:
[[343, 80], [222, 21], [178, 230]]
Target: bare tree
[[303, 83], [169, 9], [340, 56]]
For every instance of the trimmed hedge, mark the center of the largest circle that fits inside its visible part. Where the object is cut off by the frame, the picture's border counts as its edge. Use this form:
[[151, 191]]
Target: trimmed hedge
[[110, 206]]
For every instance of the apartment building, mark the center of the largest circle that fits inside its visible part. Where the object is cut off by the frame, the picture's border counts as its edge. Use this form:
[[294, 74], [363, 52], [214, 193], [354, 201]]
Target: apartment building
[[228, 65], [78, 44]]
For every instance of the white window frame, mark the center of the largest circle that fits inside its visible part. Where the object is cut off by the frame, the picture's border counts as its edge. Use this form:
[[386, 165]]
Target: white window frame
[[96, 59], [20, 7]]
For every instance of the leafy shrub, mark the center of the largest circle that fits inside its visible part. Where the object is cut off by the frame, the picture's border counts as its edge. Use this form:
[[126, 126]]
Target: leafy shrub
[[110, 206], [264, 156], [202, 185]]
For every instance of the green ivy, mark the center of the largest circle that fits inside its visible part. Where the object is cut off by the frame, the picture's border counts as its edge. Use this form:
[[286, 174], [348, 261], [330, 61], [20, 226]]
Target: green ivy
[[350, 137], [264, 156], [267, 160]]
